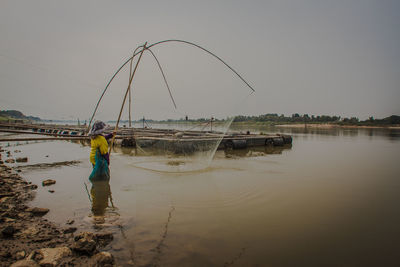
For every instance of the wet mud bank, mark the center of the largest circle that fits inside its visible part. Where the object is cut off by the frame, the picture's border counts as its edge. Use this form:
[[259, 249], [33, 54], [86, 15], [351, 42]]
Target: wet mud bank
[[28, 239]]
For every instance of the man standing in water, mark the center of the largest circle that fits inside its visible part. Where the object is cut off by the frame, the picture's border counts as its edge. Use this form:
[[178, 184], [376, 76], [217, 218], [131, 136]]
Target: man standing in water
[[99, 156]]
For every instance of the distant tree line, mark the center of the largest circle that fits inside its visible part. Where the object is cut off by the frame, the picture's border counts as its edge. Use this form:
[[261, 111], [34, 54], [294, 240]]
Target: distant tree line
[[391, 120], [15, 114], [274, 118], [297, 118], [269, 118]]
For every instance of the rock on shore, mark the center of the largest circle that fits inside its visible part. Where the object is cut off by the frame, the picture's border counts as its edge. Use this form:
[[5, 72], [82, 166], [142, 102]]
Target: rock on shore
[[48, 182], [28, 239]]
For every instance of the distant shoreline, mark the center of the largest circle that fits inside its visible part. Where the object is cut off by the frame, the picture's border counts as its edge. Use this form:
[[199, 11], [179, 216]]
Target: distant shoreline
[[329, 126]]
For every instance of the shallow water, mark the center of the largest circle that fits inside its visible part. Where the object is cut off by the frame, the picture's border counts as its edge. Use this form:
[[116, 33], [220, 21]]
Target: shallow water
[[329, 200]]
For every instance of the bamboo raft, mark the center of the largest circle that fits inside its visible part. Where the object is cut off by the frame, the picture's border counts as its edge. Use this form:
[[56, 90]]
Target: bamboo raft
[[168, 139]]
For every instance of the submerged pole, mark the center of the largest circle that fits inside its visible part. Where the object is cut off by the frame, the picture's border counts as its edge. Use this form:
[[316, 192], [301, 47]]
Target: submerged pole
[[126, 94]]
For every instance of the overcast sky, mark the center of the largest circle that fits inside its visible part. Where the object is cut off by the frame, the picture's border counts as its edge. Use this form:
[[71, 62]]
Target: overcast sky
[[316, 57]]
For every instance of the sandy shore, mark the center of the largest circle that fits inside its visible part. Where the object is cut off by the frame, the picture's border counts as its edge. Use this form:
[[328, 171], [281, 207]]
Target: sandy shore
[[28, 239]]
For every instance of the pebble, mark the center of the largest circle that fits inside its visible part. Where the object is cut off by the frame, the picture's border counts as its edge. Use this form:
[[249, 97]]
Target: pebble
[[8, 231], [69, 230], [37, 211], [25, 159], [102, 259], [20, 255], [84, 243], [48, 182], [31, 186]]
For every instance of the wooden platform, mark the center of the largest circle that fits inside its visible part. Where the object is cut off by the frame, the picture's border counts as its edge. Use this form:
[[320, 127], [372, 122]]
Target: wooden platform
[[167, 139]]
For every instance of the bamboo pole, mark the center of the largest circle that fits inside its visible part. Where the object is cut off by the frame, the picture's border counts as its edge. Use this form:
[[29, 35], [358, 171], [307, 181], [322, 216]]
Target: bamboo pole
[[130, 104], [23, 139], [61, 138], [150, 46], [126, 94], [130, 96]]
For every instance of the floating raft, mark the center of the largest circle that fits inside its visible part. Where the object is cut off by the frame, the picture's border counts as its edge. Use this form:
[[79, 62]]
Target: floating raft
[[166, 139]]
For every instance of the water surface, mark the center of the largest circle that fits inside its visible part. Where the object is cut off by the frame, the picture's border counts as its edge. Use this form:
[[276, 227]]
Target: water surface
[[329, 200]]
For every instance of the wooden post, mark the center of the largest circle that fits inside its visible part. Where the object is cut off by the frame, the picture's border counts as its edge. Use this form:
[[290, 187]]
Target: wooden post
[[126, 94]]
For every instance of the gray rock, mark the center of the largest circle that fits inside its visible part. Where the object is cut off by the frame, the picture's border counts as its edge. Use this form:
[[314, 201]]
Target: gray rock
[[24, 215], [31, 186], [9, 220], [70, 221], [102, 259], [30, 232], [85, 243], [69, 230], [20, 255], [48, 182], [8, 231], [103, 239], [25, 263], [25, 159], [37, 211], [50, 257]]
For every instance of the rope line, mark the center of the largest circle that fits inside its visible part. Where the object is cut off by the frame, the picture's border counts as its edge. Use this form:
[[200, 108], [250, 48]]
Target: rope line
[[165, 79]]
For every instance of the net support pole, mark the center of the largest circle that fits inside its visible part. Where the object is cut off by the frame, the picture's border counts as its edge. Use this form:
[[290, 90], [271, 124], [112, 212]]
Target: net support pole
[[126, 94], [130, 95]]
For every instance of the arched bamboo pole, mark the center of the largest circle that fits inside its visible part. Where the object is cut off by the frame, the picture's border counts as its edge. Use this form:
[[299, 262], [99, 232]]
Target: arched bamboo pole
[[150, 46], [126, 93]]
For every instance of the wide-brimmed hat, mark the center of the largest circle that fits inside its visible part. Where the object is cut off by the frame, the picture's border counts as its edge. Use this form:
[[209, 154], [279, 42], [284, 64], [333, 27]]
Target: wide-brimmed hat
[[97, 128]]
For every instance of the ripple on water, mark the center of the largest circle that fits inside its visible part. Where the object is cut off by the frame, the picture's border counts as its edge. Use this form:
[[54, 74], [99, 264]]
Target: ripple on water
[[168, 165]]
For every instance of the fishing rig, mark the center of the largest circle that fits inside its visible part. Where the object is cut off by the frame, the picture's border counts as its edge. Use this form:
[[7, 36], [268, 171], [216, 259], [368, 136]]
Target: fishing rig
[[139, 52]]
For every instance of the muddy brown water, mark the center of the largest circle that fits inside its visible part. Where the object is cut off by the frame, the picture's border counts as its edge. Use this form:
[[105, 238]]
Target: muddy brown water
[[332, 199]]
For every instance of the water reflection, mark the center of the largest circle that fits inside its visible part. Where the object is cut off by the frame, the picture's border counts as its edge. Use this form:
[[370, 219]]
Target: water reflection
[[256, 151], [389, 133], [102, 203], [100, 194], [328, 190]]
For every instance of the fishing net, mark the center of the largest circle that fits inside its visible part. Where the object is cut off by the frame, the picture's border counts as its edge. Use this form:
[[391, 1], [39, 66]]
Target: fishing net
[[206, 97], [202, 98], [178, 151], [100, 171]]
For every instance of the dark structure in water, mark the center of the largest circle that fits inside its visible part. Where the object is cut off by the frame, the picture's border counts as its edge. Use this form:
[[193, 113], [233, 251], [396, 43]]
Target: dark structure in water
[[159, 139]]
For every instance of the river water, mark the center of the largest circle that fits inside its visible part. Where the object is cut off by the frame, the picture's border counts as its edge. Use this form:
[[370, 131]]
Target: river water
[[331, 199]]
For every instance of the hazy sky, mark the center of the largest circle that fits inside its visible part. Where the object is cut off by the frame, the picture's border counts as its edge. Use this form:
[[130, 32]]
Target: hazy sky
[[316, 57]]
